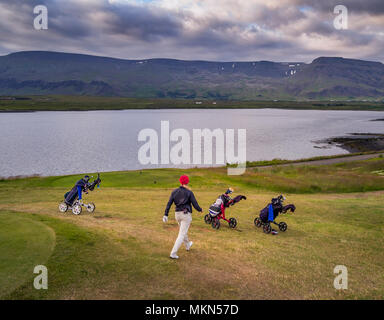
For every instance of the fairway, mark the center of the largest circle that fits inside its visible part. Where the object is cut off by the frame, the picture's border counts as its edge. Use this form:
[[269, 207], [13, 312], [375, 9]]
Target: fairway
[[122, 250], [24, 243]]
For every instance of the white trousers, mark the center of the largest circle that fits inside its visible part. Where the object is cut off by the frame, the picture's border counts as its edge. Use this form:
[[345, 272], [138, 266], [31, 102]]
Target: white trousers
[[184, 221]]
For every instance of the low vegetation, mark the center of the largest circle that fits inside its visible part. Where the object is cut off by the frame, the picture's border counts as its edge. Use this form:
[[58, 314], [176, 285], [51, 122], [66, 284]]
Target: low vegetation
[[84, 103], [286, 162], [121, 251]]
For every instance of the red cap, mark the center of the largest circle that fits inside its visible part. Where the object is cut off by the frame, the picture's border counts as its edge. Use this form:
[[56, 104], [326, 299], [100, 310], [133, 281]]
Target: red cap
[[184, 179]]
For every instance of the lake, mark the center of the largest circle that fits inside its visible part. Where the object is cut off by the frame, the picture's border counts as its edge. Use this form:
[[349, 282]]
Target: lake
[[56, 143]]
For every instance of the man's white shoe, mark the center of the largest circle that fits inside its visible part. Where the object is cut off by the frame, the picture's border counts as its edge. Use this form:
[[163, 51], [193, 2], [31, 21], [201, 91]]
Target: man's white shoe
[[189, 245], [174, 256]]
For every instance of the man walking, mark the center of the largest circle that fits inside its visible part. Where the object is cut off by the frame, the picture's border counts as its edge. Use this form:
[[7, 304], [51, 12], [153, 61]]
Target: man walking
[[183, 197]]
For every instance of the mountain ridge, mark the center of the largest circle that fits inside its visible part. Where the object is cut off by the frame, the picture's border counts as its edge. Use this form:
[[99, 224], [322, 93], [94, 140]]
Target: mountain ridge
[[48, 72]]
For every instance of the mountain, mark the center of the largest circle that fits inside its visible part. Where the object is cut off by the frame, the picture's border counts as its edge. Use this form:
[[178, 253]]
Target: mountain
[[339, 78], [39, 72]]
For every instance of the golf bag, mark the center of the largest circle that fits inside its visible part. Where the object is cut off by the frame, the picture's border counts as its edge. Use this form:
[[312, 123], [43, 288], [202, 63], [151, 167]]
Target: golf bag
[[71, 196], [271, 212], [273, 209], [217, 211]]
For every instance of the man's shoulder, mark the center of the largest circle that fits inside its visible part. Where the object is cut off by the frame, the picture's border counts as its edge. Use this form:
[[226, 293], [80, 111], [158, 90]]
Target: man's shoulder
[[182, 189], [176, 190]]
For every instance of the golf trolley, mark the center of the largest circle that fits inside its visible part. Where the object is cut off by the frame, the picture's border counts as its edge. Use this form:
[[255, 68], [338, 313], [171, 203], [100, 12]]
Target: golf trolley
[[215, 220], [217, 211], [75, 205], [271, 212], [267, 225]]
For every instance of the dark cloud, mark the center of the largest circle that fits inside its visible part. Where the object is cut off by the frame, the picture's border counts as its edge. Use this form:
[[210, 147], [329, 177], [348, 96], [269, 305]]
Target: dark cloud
[[373, 7], [210, 30], [141, 23]]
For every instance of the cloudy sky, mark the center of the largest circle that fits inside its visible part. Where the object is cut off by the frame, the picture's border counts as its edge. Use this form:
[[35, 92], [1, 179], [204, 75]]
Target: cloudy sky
[[225, 30]]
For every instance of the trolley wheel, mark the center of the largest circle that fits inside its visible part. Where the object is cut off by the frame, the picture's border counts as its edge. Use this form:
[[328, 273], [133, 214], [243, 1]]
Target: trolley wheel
[[257, 222], [91, 207], [283, 226], [267, 228], [63, 207], [76, 209], [207, 219], [232, 223], [215, 223]]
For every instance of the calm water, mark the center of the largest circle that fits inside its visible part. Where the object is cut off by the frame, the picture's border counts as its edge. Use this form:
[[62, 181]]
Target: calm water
[[55, 143]]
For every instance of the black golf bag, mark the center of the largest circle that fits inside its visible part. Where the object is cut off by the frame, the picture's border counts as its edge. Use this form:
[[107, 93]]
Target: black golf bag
[[71, 196], [277, 207]]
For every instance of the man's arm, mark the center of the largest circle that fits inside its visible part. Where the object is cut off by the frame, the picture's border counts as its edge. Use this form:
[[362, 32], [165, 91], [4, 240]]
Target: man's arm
[[194, 203], [169, 204]]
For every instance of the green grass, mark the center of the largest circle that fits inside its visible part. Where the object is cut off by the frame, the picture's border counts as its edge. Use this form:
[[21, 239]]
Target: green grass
[[357, 176], [84, 103], [84, 260], [283, 161], [121, 251], [24, 243]]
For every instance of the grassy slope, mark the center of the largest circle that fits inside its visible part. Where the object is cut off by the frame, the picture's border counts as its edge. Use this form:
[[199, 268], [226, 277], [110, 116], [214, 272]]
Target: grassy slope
[[75, 103], [24, 243], [276, 162], [122, 250]]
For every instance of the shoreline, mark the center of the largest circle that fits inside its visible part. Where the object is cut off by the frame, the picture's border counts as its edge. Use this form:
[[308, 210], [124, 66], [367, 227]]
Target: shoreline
[[358, 142], [192, 108], [250, 164], [94, 103]]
